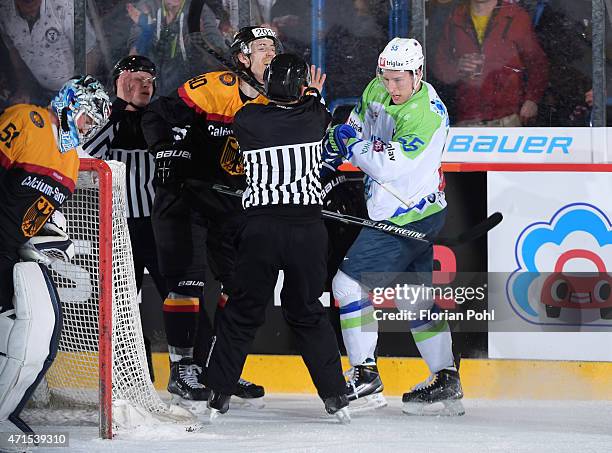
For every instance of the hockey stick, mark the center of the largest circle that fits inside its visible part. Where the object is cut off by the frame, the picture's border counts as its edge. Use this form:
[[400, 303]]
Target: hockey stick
[[392, 229], [473, 233], [467, 236], [193, 27]]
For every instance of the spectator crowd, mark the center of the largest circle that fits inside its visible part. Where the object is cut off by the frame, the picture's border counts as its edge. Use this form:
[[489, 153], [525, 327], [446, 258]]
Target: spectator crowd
[[498, 62]]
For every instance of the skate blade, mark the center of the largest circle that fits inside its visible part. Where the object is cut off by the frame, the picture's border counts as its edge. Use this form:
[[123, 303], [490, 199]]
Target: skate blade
[[343, 416], [214, 414], [195, 407], [368, 403], [450, 408], [255, 403]]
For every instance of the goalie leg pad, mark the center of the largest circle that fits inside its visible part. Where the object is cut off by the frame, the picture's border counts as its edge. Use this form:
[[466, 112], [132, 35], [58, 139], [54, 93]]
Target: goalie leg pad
[[28, 338]]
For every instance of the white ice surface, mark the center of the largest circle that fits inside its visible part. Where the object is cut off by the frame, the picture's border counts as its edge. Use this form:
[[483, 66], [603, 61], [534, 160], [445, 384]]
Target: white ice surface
[[297, 423]]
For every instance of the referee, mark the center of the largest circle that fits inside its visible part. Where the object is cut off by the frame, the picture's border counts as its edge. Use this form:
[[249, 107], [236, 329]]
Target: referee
[[281, 146], [122, 139]]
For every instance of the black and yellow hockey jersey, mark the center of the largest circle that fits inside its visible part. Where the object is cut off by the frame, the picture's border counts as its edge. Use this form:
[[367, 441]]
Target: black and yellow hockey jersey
[[35, 177], [199, 118]]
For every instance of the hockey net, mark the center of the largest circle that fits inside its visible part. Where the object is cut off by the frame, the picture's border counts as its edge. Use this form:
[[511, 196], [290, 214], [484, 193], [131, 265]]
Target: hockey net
[[101, 358]]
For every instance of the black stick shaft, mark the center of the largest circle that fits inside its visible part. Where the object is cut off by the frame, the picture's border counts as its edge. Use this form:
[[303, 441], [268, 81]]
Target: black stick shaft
[[391, 229], [467, 236]]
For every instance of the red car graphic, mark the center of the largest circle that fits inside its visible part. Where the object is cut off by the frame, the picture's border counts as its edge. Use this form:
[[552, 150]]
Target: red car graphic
[[578, 291]]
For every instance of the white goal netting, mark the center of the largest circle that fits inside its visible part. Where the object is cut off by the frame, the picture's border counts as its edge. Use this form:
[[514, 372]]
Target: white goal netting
[[96, 219]]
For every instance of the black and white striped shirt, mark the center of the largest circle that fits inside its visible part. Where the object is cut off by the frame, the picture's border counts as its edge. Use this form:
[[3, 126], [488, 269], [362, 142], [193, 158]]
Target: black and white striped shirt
[[283, 175], [281, 146], [122, 139]]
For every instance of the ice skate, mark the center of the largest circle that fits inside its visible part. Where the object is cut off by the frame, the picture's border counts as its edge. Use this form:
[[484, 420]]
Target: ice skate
[[185, 388], [338, 406], [249, 394], [218, 403], [440, 394], [364, 387]]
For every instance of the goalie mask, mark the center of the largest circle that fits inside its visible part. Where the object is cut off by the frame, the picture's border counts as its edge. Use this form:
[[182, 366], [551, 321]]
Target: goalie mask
[[285, 78], [79, 98]]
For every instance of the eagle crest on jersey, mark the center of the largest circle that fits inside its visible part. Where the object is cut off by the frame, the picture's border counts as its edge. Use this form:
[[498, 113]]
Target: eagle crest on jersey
[[217, 101], [231, 159], [36, 216]]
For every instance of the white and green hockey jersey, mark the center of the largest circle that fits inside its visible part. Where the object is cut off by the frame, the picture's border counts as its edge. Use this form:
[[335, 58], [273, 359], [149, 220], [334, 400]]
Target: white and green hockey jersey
[[400, 148]]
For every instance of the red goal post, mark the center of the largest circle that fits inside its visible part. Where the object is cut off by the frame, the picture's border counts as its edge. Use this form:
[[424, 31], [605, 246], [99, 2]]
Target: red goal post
[[105, 184]]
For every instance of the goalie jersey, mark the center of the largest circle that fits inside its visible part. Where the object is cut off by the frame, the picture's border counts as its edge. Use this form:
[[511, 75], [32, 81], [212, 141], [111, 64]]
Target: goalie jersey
[[35, 177]]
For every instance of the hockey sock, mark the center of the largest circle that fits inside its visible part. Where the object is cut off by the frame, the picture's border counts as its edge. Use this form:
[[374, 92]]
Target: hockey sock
[[181, 323], [357, 321], [359, 330], [433, 339]]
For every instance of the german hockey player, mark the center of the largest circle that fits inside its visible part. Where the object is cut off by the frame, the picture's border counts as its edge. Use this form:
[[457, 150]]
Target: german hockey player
[[194, 146]]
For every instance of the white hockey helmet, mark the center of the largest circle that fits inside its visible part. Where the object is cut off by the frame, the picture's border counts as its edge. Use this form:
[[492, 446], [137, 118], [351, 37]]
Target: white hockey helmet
[[401, 54]]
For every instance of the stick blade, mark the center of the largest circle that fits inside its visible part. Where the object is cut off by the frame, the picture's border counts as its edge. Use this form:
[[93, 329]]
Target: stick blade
[[473, 233]]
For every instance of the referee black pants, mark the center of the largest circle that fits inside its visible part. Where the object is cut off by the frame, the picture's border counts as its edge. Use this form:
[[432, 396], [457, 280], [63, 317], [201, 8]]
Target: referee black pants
[[268, 244]]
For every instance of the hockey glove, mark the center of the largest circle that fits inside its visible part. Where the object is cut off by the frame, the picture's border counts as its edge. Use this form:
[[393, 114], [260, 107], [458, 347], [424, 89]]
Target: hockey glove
[[328, 169], [172, 165], [50, 244], [334, 147]]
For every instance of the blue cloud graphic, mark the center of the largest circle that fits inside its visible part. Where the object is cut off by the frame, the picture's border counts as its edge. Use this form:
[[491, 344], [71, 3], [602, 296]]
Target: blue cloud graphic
[[577, 217], [570, 218]]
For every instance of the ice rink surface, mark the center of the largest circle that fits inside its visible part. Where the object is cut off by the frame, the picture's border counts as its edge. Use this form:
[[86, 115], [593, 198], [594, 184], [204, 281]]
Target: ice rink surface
[[297, 423]]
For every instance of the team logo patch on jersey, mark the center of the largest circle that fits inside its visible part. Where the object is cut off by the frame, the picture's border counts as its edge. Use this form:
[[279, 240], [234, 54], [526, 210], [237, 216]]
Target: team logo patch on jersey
[[378, 146], [36, 216], [231, 159], [227, 78], [52, 35], [438, 107], [37, 119]]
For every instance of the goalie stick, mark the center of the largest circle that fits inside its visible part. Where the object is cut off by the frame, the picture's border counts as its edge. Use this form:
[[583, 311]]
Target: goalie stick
[[467, 236]]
